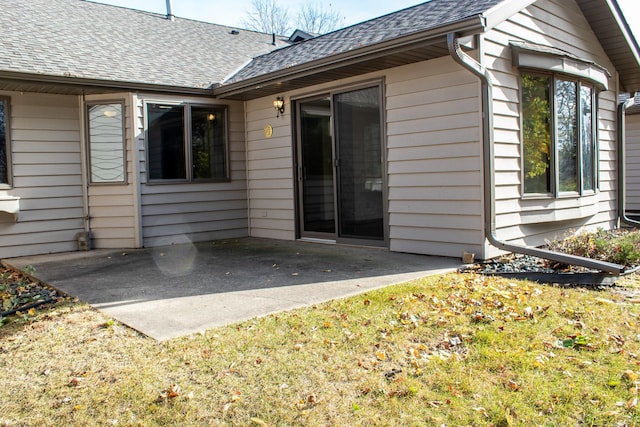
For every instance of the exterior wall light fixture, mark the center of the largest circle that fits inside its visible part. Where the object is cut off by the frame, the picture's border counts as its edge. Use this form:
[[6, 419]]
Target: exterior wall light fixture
[[278, 104]]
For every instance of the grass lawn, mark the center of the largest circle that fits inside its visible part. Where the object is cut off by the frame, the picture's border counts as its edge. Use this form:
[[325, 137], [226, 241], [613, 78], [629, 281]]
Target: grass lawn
[[452, 350]]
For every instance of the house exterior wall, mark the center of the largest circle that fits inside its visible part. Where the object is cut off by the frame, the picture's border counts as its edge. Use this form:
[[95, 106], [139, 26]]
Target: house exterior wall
[[46, 163], [557, 23], [433, 151], [112, 208], [632, 133], [190, 212]]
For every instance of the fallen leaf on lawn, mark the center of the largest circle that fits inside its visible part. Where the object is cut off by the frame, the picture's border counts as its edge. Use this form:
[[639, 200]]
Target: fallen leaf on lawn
[[632, 403], [513, 385], [258, 421], [170, 392], [482, 410], [75, 382], [327, 324], [381, 355], [630, 376]]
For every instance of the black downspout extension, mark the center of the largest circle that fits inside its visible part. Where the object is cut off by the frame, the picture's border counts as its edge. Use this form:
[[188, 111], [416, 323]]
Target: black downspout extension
[[488, 173], [622, 180]]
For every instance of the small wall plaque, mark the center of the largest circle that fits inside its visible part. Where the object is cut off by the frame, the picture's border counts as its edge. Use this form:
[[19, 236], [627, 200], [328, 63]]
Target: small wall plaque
[[268, 131]]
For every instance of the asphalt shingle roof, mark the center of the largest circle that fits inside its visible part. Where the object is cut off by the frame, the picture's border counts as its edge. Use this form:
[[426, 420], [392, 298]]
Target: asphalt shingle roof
[[77, 38], [423, 17]]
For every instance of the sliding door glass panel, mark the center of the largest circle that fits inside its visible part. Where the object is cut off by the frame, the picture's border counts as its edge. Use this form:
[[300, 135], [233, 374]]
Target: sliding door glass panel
[[316, 151], [360, 179]]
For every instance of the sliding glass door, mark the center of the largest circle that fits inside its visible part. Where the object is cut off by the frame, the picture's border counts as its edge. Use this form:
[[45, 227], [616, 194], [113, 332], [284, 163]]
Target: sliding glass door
[[340, 166]]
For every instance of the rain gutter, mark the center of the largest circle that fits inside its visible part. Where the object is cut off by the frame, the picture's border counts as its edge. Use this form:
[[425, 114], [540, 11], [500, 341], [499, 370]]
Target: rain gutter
[[622, 181], [86, 83], [350, 57], [489, 171]]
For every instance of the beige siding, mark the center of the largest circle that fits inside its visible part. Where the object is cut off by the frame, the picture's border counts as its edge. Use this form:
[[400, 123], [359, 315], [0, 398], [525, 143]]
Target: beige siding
[[112, 207], [433, 152], [270, 172], [190, 212], [557, 23], [633, 162], [45, 143], [434, 163]]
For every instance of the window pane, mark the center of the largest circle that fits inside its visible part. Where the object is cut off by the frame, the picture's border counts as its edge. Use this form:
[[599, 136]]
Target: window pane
[[567, 134], [165, 142], [208, 143], [536, 134], [4, 173], [588, 143], [106, 143]]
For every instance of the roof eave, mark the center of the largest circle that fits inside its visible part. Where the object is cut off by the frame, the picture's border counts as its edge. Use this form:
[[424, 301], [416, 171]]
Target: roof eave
[[473, 25], [81, 82]]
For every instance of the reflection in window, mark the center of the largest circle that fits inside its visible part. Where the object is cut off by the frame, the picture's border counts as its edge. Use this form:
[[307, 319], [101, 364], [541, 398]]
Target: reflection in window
[[588, 149], [557, 136], [106, 143], [208, 143], [567, 134], [166, 141], [187, 142], [536, 134], [4, 143]]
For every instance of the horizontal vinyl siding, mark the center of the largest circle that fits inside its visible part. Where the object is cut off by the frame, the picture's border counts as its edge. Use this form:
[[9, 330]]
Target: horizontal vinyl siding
[[190, 212], [434, 159], [45, 145], [112, 206], [633, 162], [557, 23], [270, 171]]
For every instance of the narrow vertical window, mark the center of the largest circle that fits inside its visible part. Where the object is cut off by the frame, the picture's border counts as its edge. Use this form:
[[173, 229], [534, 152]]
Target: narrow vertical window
[[567, 134], [536, 134], [208, 147], [587, 139], [165, 142], [106, 143], [4, 140]]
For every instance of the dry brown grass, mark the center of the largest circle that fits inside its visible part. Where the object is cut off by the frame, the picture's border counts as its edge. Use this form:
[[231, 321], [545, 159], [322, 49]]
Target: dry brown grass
[[450, 350]]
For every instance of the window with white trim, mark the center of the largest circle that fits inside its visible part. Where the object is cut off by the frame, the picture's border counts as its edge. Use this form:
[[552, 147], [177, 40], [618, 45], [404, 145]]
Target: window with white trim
[[558, 135], [105, 129], [187, 142]]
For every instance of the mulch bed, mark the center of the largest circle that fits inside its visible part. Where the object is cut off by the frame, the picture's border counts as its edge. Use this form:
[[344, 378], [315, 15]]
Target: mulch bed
[[21, 294]]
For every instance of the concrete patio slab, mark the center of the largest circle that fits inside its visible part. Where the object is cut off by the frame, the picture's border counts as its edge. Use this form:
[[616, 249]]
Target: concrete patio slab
[[176, 290]]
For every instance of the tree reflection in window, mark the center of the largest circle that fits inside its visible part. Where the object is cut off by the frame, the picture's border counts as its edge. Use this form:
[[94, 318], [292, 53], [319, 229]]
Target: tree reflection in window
[[567, 134], [557, 136], [536, 134]]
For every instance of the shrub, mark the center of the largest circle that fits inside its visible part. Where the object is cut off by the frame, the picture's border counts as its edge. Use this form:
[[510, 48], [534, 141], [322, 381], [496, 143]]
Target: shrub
[[618, 246]]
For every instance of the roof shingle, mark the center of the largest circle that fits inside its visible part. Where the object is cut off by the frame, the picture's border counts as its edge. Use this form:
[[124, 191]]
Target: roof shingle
[[74, 38], [423, 17]]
